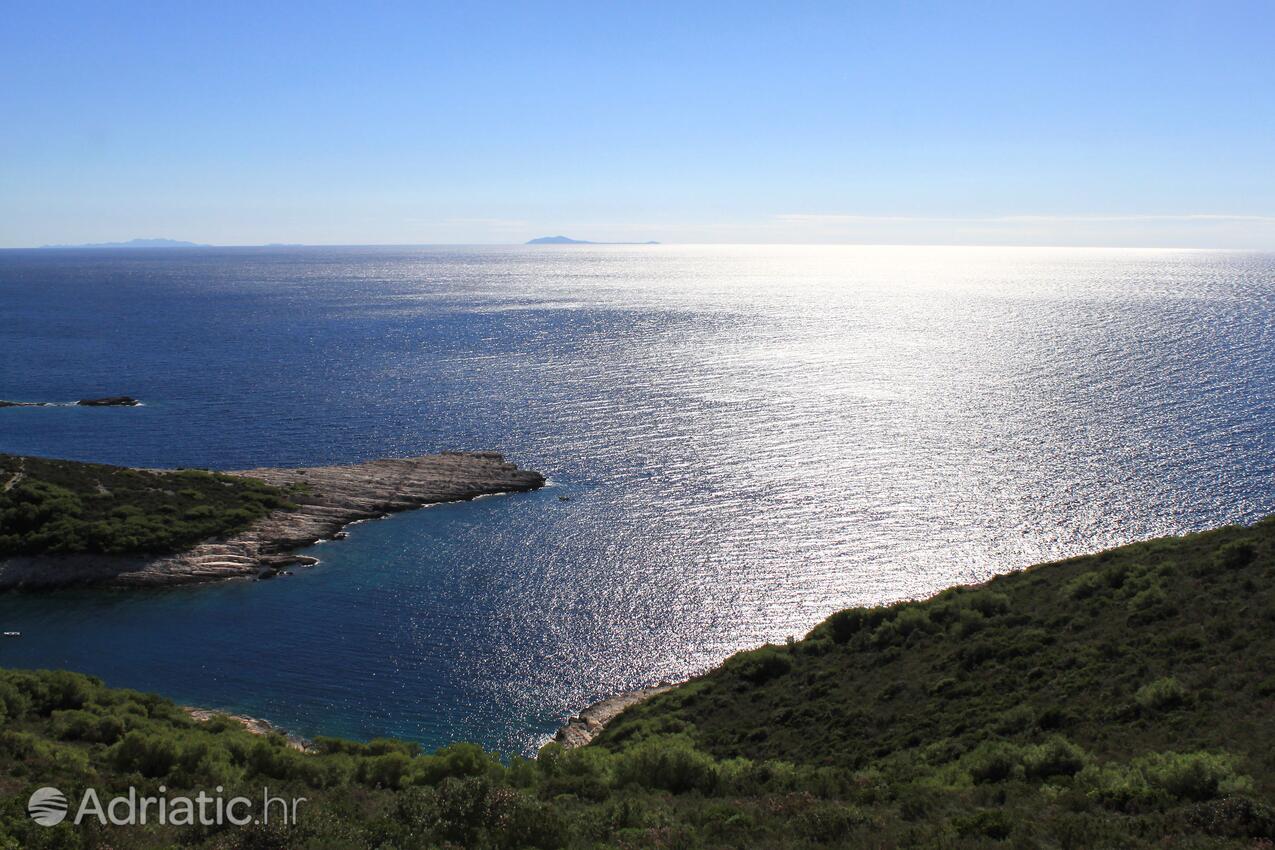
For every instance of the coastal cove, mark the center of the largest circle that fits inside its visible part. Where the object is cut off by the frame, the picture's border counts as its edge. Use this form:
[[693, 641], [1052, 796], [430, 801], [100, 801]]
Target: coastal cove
[[750, 438], [1086, 703], [268, 649]]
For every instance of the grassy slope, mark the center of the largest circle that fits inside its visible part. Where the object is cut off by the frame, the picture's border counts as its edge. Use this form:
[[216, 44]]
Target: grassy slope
[[1119, 700], [59, 506], [1060, 648]]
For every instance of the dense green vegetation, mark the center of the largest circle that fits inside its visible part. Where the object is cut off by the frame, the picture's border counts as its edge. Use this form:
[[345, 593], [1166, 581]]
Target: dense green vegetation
[[1118, 700], [60, 507]]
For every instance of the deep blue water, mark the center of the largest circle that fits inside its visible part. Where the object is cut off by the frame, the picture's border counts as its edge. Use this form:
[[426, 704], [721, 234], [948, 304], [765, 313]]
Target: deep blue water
[[752, 437]]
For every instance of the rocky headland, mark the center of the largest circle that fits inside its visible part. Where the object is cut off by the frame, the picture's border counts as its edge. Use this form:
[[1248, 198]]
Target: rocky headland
[[586, 725], [326, 499], [109, 401], [252, 725], [105, 401]]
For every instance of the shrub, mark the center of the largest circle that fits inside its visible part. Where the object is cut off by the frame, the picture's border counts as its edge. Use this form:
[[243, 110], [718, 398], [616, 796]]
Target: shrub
[[1020, 718], [455, 760], [1055, 757], [150, 755], [909, 619], [1236, 554], [1192, 776], [1147, 598], [270, 758], [969, 622], [974, 654], [825, 822], [586, 772], [1234, 817], [59, 690], [460, 808], [1114, 785], [986, 824], [13, 702], [78, 725], [1161, 778], [1161, 695], [993, 761], [524, 822], [844, 625], [1053, 717], [989, 603], [1085, 585], [670, 764], [384, 771], [762, 665]]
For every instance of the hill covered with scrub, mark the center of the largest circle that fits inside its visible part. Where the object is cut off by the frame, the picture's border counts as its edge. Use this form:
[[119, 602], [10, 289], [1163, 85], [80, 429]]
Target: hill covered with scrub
[[1124, 699], [61, 507]]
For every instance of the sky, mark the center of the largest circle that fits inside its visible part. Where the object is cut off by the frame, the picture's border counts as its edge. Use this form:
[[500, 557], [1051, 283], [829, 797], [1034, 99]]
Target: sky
[[1048, 123]]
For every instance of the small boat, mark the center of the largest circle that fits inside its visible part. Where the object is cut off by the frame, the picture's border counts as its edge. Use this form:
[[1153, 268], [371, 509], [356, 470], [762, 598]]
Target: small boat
[[13, 634], [564, 498]]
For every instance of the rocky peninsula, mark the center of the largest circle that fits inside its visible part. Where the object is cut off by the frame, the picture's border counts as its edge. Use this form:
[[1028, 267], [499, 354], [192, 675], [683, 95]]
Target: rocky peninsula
[[324, 500], [109, 401], [105, 401], [586, 725], [251, 725]]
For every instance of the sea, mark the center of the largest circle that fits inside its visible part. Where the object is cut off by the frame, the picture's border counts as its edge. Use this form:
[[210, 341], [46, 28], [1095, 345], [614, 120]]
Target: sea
[[747, 438]]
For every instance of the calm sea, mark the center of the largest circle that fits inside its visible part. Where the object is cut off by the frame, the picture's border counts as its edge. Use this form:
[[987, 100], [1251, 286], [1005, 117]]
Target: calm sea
[[750, 438]]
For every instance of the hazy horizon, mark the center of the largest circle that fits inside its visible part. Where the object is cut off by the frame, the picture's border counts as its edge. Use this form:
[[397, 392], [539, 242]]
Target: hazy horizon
[[1138, 125], [194, 243]]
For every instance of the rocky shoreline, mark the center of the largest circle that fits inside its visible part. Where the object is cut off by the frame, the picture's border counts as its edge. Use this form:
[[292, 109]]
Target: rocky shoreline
[[576, 732], [254, 725], [107, 401], [328, 498], [586, 725]]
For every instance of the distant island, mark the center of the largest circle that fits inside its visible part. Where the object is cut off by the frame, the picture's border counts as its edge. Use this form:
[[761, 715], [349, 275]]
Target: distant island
[[567, 240], [132, 243]]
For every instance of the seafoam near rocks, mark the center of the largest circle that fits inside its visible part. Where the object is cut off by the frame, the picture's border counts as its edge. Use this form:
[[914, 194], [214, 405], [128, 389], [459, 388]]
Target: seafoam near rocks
[[328, 498]]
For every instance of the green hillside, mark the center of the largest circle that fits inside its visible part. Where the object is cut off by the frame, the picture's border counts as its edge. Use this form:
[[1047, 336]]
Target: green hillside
[[1123, 699], [1168, 644], [66, 507]]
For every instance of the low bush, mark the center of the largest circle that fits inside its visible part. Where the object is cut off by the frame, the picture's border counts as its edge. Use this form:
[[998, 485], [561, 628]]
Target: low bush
[[994, 761], [1160, 778], [1085, 585], [760, 666], [671, 765], [1055, 757], [1235, 555], [1161, 695], [994, 824]]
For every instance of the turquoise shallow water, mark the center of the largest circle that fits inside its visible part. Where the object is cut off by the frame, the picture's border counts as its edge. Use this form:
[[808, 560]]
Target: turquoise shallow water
[[751, 437]]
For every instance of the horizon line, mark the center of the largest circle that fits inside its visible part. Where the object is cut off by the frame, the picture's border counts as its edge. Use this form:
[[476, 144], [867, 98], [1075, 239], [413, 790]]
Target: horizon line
[[586, 244]]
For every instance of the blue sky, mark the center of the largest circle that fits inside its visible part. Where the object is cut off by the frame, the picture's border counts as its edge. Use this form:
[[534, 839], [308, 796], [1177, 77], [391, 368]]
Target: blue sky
[[1122, 123]]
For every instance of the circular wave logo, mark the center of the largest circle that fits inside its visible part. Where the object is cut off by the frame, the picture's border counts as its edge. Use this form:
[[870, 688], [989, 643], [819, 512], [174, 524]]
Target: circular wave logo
[[47, 807]]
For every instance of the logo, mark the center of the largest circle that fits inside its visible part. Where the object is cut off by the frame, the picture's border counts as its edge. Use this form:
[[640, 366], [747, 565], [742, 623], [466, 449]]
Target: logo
[[47, 807]]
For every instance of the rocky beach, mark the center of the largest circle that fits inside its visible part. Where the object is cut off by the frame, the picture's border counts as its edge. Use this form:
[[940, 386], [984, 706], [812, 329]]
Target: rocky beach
[[586, 725]]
